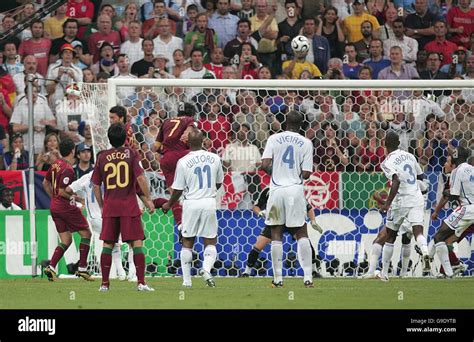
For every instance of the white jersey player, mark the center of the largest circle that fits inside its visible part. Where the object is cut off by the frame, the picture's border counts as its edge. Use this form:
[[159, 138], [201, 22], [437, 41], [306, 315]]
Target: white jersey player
[[404, 202], [454, 227], [288, 158], [83, 186], [198, 177]]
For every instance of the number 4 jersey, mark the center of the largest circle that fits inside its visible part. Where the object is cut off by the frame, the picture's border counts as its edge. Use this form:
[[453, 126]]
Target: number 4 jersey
[[118, 169], [405, 166]]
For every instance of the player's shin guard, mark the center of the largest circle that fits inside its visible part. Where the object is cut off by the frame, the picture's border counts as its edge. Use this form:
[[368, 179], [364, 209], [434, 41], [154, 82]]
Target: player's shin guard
[[277, 261], [186, 261], [374, 257], [443, 255], [210, 256], [58, 254], [421, 242], [177, 210], [304, 257], [406, 251], [387, 253], [105, 263], [84, 247], [139, 259], [117, 260]]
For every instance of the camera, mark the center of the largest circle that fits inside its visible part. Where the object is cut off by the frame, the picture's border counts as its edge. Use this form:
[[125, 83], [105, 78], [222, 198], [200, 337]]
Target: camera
[[247, 58], [156, 73]]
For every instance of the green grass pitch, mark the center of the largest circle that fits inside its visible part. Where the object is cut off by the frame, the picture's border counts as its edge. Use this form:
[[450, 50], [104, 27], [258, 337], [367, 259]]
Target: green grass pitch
[[240, 293]]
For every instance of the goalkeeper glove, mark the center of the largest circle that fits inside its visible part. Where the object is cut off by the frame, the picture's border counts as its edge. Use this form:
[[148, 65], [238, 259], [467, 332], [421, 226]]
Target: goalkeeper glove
[[316, 227], [262, 213]]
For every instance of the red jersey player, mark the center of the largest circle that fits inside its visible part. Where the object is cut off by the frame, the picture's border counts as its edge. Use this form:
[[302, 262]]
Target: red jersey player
[[66, 215], [119, 169], [118, 114], [172, 140]]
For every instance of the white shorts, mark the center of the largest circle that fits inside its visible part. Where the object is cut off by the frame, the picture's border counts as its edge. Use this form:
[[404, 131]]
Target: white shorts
[[460, 219], [412, 216], [286, 207], [406, 228], [199, 218], [96, 224]]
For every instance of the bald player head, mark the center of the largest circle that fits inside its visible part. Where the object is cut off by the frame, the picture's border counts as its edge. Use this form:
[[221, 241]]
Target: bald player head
[[391, 141], [195, 139], [294, 121]]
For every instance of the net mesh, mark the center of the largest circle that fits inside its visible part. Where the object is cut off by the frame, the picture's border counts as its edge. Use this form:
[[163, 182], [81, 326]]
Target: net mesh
[[347, 127]]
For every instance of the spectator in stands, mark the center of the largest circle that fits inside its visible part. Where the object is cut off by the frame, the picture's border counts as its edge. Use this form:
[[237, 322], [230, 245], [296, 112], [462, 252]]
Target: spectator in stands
[[152, 128], [319, 51], [78, 57], [70, 29], [433, 68], [50, 146], [330, 27], [351, 126], [105, 33], [247, 11], [370, 154], [37, 46], [123, 67], [223, 23], [43, 117], [386, 31], [408, 45], [84, 164], [421, 106], [352, 23], [151, 27], [190, 19], [217, 127], [27, 11], [216, 66], [53, 26], [311, 8], [377, 61], [88, 76], [6, 111], [460, 22], [241, 155], [132, 47], [30, 65], [106, 62], [435, 150], [351, 66], [458, 65], [130, 15], [6, 200], [419, 25], [294, 67], [172, 9], [233, 48], [397, 69], [289, 28], [142, 67], [179, 63], [62, 73], [106, 9], [335, 71], [166, 43], [17, 157], [11, 60], [202, 38], [440, 44], [7, 23], [330, 154], [160, 70], [362, 46], [421, 60], [196, 71], [462, 127], [264, 22], [249, 65], [83, 12]]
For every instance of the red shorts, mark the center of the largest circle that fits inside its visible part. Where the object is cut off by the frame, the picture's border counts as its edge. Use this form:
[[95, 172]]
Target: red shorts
[[69, 221], [129, 226], [467, 232], [168, 165]]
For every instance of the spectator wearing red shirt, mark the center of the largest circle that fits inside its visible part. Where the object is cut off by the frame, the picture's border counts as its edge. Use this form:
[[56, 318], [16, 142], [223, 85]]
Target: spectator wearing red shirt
[[217, 128], [6, 110], [104, 23], [441, 44], [83, 11], [216, 66], [460, 21], [37, 46], [371, 152], [151, 27]]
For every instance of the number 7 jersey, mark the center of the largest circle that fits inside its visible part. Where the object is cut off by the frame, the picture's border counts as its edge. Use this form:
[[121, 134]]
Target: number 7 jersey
[[118, 169], [405, 166]]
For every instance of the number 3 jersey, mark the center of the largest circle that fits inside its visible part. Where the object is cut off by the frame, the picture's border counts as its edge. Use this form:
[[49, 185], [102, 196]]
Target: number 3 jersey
[[118, 169], [291, 154], [197, 174], [405, 166]]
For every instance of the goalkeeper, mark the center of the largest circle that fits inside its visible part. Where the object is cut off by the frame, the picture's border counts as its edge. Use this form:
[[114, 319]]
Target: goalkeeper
[[265, 236]]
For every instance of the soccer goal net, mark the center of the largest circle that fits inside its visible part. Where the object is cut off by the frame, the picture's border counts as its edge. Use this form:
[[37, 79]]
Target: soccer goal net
[[345, 120]]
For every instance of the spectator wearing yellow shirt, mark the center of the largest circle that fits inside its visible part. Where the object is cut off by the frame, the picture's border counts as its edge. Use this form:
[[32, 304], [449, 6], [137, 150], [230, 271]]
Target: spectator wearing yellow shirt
[[295, 67], [352, 24], [53, 27]]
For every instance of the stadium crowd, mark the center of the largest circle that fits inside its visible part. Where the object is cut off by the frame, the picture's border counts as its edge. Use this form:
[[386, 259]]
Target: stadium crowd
[[91, 41]]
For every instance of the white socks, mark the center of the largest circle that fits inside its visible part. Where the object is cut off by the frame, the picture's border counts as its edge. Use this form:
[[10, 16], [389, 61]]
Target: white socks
[[277, 260], [117, 260], [443, 255], [421, 242], [374, 257], [186, 261], [304, 257], [132, 271], [210, 255], [406, 251], [387, 253]]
